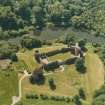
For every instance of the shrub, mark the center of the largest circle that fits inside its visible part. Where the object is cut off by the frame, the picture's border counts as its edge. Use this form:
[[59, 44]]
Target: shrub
[[96, 50], [44, 97], [27, 96], [62, 98], [67, 99], [95, 44], [32, 96], [52, 97], [47, 42], [36, 96]]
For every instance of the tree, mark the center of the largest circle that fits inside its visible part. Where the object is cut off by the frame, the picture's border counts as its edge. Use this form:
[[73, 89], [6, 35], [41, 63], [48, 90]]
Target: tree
[[76, 21], [77, 100], [80, 66], [56, 10], [7, 18], [7, 2], [14, 57], [30, 42], [82, 44], [69, 39], [8, 50], [82, 94], [37, 76], [38, 17], [25, 12], [52, 84], [99, 96]]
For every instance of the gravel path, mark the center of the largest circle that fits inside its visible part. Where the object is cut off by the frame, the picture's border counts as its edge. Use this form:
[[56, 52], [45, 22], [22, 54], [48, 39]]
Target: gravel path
[[16, 99]]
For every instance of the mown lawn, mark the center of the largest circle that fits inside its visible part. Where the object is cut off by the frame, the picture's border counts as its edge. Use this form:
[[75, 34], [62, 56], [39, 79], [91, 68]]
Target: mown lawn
[[8, 86]]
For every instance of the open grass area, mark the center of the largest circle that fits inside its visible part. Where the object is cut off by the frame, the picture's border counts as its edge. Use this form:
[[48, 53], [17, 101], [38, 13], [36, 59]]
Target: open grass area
[[62, 78], [8, 86], [94, 77], [67, 82]]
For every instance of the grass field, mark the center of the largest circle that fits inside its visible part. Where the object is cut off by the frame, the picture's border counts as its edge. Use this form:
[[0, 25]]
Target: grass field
[[67, 82], [8, 86], [72, 80], [44, 102]]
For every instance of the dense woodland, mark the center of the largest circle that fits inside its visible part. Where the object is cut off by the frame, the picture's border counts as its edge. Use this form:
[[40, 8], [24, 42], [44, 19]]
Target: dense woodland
[[19, 17]]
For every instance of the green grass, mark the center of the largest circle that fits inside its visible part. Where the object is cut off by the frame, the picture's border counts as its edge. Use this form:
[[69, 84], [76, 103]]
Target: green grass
[[95, 73], [8, 86], [62, 78], [44, 102], [69, 81], [20, 65]]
